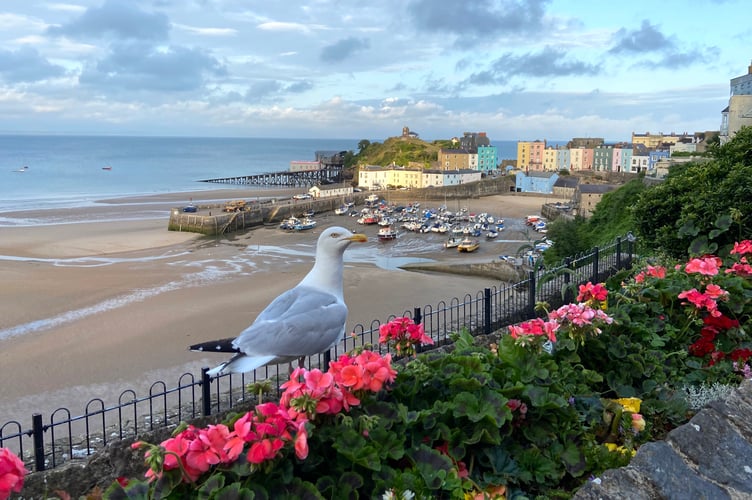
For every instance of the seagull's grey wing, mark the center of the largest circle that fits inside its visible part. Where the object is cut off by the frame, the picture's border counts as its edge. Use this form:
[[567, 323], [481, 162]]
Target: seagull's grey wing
[[300, 322]]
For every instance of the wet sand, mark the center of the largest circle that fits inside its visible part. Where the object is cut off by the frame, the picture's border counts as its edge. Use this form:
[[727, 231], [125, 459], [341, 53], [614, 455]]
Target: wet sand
[[92, 309]]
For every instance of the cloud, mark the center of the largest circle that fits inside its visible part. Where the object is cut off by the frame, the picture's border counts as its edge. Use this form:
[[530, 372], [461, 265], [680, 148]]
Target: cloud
[[274, 90], [344, 49], [138, 66], [549, 62], [206, 31], [116, 19], [280, 26], [645, 39], [649, 40], [26, 65], [473, 21]]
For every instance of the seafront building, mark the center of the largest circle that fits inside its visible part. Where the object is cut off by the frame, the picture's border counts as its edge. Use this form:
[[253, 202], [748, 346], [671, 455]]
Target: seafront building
[[738, 113], [375, 177]]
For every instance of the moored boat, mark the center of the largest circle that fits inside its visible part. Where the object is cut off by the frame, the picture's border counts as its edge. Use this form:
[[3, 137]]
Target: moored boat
[[387, 233], [306, 223], [468, 245], [452, 242]]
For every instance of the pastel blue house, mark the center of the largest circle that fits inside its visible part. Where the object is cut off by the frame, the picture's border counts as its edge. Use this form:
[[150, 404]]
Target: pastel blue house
[[655, 156], [536, 182]]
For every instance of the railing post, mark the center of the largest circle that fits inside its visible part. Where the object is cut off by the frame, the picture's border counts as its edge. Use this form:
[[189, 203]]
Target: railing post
[[568, 293], [205, 392], [487, 311], [327, 359], [531, 295], [596, 253], [416, 316], [618, 253], [630, 248], [38, 438]]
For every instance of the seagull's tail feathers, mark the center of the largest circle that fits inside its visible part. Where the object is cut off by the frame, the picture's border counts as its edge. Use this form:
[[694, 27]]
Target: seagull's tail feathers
[[221, 345], [240, 364]]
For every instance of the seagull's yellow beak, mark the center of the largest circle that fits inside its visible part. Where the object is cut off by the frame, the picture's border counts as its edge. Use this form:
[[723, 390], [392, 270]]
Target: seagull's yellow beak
[[359, 237]]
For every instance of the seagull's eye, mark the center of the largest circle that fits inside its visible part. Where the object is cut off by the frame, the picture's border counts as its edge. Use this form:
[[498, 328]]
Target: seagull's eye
[[335, 235]]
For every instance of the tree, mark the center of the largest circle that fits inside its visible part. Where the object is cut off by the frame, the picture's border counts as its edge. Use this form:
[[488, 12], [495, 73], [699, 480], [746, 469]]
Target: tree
[[363, 144]]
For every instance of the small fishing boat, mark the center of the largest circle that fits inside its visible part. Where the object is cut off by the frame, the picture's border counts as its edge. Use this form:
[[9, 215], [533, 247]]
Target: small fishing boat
[[22, 169], [289, 223], [452, 242], [342, 210], [305, 224], [387, 233], [491, 234], [468, 245], [107, 167]]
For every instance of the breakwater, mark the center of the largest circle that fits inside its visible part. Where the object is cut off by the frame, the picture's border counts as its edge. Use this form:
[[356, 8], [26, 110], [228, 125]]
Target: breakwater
[[211, 220]]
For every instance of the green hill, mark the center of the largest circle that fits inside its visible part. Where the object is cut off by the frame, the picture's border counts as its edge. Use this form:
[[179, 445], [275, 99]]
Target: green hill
[[403, 151]]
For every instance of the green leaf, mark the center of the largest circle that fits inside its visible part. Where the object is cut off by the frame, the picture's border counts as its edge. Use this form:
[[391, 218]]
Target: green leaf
[[212, 485], [489, 406], [433, 466], [574, 459], [234, 492]]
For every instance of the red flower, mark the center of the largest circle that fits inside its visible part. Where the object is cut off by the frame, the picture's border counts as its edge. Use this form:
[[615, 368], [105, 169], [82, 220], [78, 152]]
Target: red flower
[[702, 347], [740, 354]]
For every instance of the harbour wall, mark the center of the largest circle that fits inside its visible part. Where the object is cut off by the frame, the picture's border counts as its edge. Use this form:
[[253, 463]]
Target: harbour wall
[[210, 219]]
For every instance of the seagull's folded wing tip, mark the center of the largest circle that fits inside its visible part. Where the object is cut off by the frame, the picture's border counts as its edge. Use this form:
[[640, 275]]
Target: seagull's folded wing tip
[[222, 345]]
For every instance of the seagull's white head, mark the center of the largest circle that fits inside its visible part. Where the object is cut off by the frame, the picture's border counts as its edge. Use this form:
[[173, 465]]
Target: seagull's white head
[[334, 240], [327, 270]]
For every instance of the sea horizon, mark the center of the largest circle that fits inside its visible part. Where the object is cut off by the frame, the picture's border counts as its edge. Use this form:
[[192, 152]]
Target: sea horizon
[[68, 170]]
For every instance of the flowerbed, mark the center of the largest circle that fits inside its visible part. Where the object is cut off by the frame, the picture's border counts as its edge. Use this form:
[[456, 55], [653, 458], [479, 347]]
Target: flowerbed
[[554, 403]]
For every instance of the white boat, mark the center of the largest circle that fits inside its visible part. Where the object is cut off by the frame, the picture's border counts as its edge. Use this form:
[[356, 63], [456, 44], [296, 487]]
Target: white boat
[[387, 233], [342, 210], [22, 169], [452, 242], [491, 234], [289, 223]]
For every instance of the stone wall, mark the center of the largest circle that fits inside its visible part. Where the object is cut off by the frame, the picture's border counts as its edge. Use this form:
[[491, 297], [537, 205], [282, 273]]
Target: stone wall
[[709, 457]]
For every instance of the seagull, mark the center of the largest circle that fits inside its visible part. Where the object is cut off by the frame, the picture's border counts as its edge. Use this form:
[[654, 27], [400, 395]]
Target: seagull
[[307, 319]]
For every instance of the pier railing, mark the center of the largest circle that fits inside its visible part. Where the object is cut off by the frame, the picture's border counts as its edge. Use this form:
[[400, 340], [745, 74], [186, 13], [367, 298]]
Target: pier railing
[[60, 437]]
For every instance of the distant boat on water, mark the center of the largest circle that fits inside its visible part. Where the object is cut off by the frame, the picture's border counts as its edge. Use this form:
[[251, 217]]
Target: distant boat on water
[[107, 167], [22, 169]]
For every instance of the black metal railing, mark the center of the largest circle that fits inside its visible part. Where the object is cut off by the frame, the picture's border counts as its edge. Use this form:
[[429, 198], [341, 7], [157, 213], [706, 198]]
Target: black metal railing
[[62, 437]]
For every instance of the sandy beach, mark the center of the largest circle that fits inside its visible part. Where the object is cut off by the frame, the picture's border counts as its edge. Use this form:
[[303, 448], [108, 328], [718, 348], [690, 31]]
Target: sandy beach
[[88, 310]]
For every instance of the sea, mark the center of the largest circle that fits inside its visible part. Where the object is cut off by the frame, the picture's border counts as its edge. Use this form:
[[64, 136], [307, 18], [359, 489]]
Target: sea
[[39, 172], [48, 172]]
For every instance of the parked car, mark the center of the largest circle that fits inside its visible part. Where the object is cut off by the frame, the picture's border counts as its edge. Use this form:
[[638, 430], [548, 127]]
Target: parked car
[[303, 196], [190, 208]]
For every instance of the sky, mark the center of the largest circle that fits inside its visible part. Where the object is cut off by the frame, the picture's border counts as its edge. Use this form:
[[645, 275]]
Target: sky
[[515, 69]]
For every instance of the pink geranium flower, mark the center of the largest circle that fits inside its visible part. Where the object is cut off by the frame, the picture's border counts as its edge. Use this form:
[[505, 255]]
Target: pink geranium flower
[[742, 248], [12, 473], [707, 266], [405, 334]]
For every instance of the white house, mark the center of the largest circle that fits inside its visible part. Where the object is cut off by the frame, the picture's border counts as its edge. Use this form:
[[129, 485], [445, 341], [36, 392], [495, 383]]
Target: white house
[[330, 191]]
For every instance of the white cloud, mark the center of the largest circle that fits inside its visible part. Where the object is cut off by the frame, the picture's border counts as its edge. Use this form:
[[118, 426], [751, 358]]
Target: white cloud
[[520, 69]]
